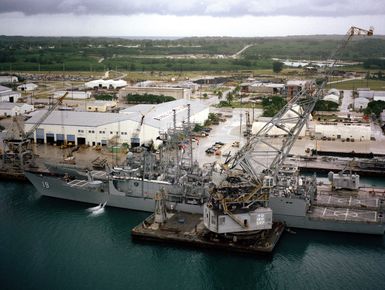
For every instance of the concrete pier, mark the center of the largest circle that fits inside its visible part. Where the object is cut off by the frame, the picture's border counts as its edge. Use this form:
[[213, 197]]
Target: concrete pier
[[188, 230]]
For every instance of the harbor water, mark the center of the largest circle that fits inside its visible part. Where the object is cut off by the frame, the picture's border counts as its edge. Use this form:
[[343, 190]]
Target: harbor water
[[47, 243]]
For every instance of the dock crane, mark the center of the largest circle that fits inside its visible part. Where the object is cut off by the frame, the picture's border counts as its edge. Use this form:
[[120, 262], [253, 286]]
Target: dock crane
[[247, 178], [17, 142], [135, 140]]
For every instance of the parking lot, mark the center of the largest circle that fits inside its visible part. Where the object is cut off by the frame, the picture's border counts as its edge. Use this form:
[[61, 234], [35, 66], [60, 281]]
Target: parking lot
[[227, 133]]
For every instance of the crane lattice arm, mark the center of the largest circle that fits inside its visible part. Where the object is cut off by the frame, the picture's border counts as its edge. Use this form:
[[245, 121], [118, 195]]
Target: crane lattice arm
[[260, 154], [45, 115]]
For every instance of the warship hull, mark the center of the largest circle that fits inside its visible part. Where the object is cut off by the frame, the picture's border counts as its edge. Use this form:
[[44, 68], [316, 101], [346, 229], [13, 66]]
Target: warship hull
[[297, 214], [54, 186], [293, 212]]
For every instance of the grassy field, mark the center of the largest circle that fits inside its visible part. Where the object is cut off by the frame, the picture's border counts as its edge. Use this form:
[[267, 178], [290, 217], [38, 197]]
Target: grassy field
[[375, 85]]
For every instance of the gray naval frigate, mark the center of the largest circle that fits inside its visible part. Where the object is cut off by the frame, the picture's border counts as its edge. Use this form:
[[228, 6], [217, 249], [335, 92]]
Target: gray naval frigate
[[296, 200]]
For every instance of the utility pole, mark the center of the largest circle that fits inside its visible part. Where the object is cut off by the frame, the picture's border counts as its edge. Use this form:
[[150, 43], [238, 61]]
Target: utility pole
[[240, 124], [189, 134]]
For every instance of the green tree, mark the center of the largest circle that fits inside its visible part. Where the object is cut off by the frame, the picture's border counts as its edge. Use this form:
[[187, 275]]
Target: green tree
[[323, 105], [230, 97], [277, 66], [272, 105], [375, 107]]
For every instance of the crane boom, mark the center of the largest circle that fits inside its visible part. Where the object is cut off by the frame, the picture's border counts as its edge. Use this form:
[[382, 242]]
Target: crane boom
[[290, 120], [262, 158], [45, 115]]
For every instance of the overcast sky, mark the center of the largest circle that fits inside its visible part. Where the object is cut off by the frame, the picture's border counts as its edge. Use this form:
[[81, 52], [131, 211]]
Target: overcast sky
[[188, 17]]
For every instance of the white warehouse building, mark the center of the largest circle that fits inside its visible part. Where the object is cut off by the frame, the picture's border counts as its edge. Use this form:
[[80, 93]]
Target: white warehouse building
[[75, 95], [82, 127], [95, 128], [360, 104], [14, 109], [106, 84], [29, 87], [161, 116], [359, 132], [7, 95]]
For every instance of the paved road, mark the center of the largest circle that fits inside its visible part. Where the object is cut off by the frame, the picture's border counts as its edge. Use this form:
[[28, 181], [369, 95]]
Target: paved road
[[346, 101], [237, 54]]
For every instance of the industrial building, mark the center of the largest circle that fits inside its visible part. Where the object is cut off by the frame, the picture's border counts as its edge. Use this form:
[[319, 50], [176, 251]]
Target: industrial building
[[75, 95], [95, 128], [7, 95], [13, 109], [334, 92], [382, 116], [105, 84], [101, 106], [332, 98], [379, 96], [357, 132], [81, 127], [161, 116], [8, 79], [261, 87], [177, 93], [365, 94], [27, 87], [296, 86], [360, 104]]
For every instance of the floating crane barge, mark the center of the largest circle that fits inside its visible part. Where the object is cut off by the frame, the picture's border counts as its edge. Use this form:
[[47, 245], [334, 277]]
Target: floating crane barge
[[254, 185]]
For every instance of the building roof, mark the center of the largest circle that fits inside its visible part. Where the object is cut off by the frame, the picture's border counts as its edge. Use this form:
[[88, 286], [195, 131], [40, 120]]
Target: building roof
[[360, 103], [74, 118], [382, 116], [366, 94], [101, 103], [298, 83], [9, 105], [332, 98], [379, 93], [30, 86], [106, 83], [72, 94], [334, 92], [161, 115], [4, 89], [379, 98]]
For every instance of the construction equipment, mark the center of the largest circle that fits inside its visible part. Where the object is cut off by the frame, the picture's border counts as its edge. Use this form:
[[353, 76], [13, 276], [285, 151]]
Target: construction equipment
[[135, 139], [248, 177], [17, 143]]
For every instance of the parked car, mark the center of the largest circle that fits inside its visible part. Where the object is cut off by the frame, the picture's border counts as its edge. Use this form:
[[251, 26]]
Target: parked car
[[210, 150]]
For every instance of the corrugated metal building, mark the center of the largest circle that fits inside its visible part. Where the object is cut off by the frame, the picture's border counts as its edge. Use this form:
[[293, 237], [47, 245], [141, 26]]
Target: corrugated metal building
[[7, 95], [82, 127], [105, 84], [27, 87], [332, 98], [13, 109], [359, 132], [161, 115], [75, 95], [360, 104], [100, 106], [94, 128], [177, 93]]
